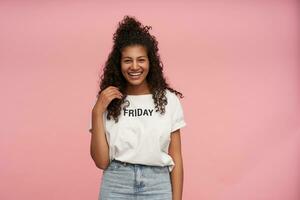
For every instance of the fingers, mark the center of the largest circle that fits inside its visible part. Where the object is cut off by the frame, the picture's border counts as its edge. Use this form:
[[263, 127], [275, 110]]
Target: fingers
[[112, 92], [106, 96]]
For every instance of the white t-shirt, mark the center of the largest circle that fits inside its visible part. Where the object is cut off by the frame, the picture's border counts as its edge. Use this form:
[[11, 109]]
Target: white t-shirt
[[142, 135]]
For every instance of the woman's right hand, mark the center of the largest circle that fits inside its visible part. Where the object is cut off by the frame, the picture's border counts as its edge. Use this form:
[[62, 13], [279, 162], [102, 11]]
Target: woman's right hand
[[105, 97]]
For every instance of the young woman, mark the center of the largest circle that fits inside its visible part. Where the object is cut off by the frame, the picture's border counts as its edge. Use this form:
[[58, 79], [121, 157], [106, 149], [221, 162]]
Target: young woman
[[136, 121]]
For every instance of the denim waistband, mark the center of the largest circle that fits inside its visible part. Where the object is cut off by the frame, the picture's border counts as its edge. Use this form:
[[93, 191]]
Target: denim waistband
[[135, 164], [122, 162]]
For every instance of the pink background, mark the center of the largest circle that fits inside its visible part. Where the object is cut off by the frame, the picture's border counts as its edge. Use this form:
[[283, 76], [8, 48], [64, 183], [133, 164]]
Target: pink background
[[236, 62]]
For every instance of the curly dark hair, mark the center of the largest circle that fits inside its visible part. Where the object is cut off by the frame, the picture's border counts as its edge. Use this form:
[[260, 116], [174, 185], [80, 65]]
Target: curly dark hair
[[131, 32]]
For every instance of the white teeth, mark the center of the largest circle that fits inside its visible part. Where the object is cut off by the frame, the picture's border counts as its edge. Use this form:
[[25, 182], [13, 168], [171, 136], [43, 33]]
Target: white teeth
[[135, 74]]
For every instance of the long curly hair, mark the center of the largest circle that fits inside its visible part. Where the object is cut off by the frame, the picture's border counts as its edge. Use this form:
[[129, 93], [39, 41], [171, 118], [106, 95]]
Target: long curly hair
[[131, 32]]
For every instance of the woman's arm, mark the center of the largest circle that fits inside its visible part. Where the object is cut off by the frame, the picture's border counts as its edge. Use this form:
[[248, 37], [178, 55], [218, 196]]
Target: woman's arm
[[177, 172], [99, 146]]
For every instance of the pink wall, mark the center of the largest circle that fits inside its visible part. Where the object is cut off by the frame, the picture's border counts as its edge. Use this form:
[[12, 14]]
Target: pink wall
[[236, 62]]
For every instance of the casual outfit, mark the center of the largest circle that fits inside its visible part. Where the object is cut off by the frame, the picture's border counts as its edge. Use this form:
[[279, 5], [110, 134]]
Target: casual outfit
[[138, 149]]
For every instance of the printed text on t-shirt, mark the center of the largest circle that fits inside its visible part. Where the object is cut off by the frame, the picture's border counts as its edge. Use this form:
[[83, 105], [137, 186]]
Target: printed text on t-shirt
[[138, 112]]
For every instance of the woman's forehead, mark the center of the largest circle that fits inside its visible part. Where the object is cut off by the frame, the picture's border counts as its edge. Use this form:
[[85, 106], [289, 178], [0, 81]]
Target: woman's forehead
[[134, 50]]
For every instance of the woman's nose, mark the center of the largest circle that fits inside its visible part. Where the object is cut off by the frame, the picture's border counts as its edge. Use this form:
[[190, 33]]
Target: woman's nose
[[135, 65]]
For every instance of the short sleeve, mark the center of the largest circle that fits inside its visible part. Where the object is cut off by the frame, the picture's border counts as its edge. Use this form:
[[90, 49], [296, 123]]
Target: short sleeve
[[178, 120]]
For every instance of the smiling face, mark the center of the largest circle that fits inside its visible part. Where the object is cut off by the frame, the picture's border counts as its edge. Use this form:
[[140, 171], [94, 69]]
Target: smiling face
[[135, 67]]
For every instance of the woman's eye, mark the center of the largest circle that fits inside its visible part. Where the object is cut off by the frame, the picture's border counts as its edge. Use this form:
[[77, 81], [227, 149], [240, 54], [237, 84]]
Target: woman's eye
[[127, 61]]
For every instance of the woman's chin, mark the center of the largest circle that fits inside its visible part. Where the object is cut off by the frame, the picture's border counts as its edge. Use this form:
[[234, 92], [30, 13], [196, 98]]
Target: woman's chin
[[135, 81]]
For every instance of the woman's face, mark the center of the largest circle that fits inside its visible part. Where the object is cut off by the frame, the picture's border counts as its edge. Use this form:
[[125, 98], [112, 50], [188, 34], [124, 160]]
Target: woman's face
[[135, 66]]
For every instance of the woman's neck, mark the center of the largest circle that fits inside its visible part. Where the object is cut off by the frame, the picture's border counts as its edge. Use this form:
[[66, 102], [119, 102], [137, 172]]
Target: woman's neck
[[138, 89]]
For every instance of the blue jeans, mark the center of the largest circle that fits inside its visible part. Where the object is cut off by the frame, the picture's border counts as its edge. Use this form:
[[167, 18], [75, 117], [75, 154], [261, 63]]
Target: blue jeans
[[135, 182]]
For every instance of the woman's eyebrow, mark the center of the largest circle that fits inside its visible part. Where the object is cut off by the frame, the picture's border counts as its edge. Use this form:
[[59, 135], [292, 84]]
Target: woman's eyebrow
[[130, 57]]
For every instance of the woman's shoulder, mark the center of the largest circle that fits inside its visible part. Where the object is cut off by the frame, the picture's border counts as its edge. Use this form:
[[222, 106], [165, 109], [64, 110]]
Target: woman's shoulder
[[171, 95]]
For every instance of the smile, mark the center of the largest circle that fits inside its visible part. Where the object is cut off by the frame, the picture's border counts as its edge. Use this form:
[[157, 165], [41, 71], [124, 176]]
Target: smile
[[135, 75]]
